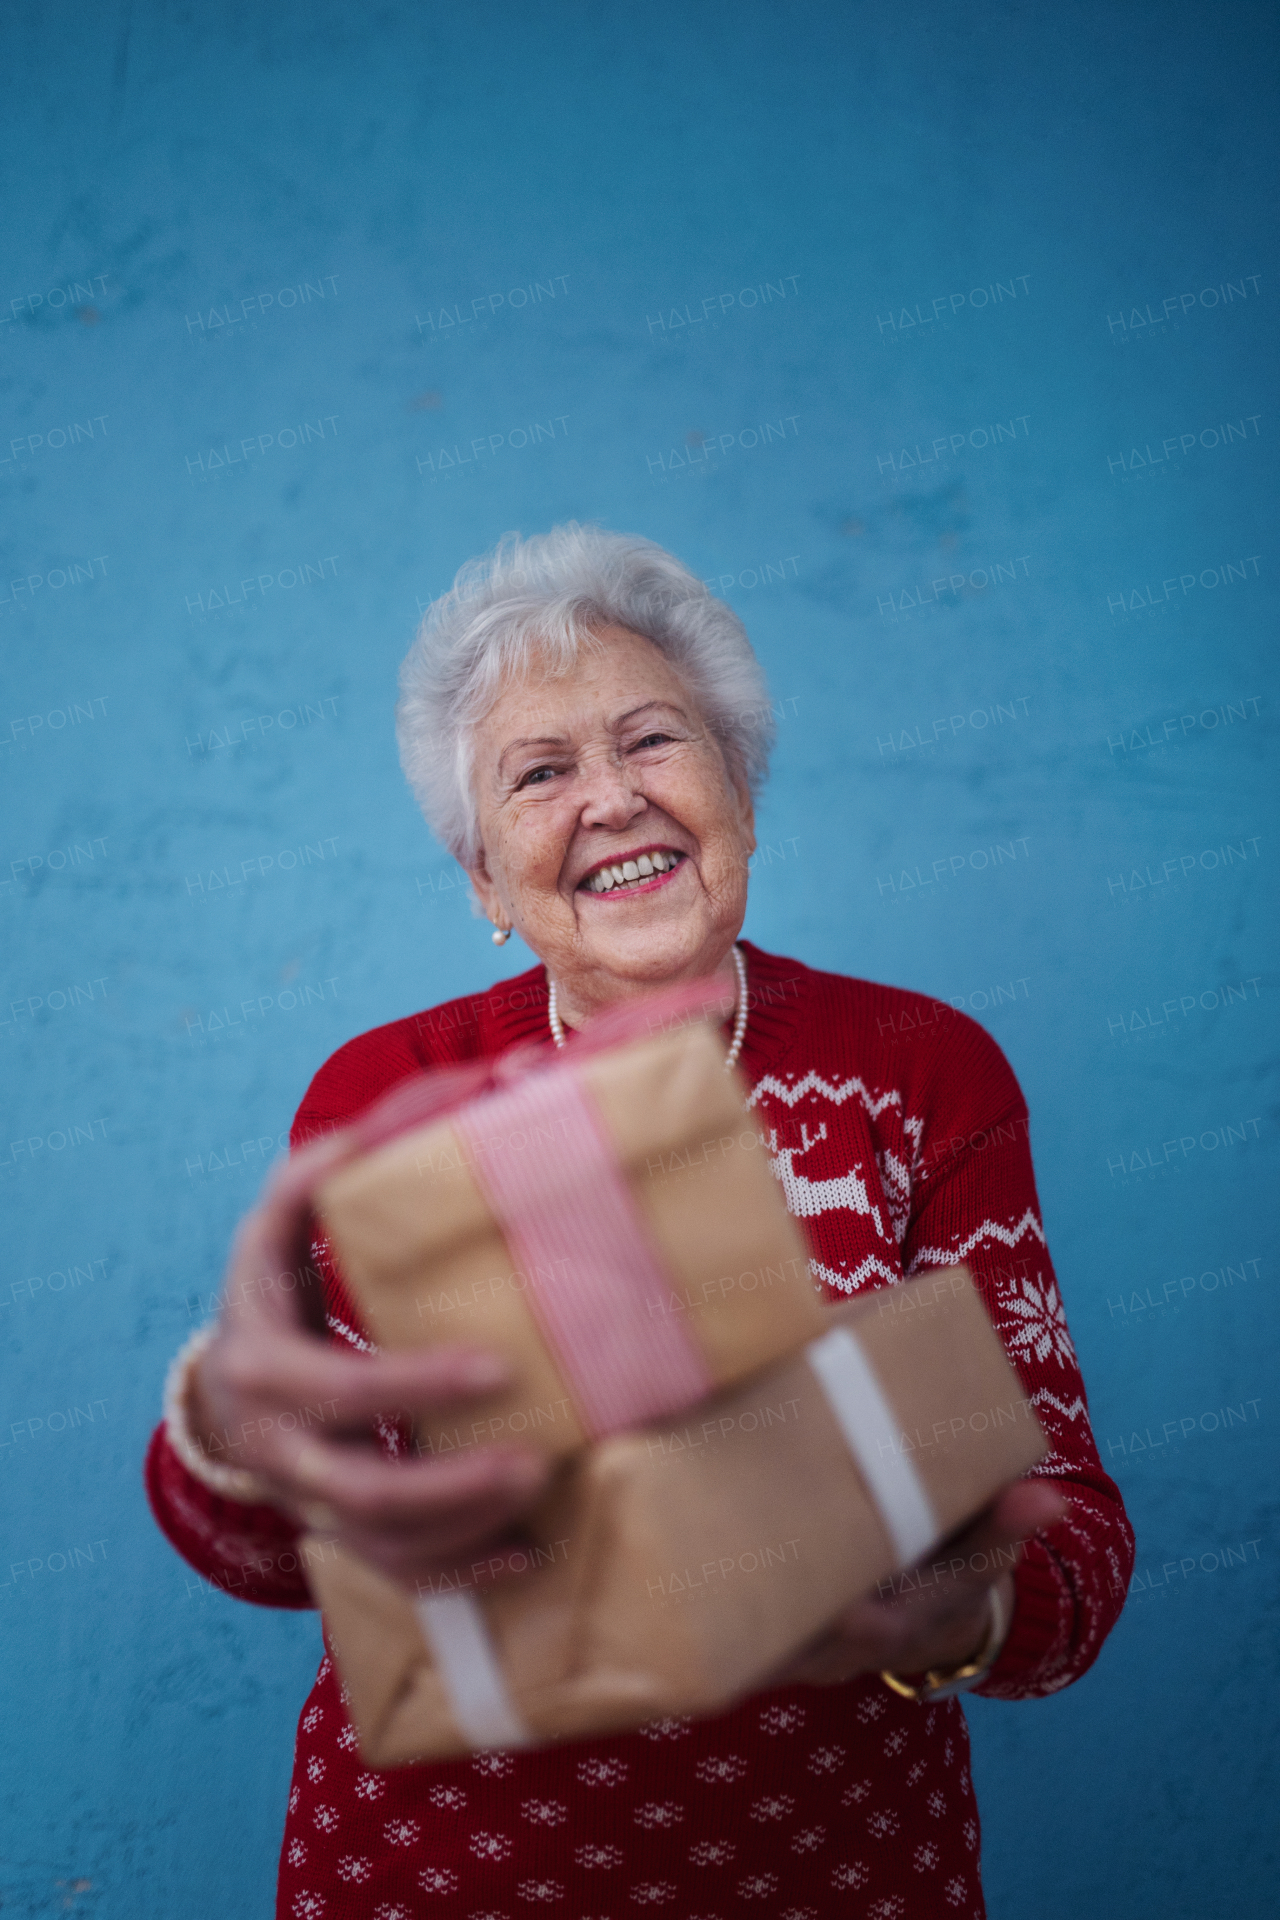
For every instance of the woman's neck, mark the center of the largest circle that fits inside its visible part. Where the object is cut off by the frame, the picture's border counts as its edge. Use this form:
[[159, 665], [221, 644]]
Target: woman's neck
[[578, 999]]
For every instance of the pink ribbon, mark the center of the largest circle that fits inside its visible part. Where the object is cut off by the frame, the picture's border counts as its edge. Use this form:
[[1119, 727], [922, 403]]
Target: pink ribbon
[[567, 1212], [545, 1164]]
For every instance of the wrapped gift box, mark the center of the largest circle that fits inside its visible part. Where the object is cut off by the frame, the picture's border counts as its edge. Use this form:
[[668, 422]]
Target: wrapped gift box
[[605, 1218], [673, 1570]]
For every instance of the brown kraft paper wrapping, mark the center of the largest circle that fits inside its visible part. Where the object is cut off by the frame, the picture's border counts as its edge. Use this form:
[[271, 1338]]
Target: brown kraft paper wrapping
[[427, 1262], [676, 1568]]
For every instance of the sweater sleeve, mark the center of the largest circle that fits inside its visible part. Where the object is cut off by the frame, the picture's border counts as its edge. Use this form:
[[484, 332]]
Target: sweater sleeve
[[248, 1552], [974, 1199], [252, 1552]]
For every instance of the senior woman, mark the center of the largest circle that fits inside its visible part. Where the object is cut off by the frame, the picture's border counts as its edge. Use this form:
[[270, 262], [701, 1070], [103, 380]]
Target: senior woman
[[584, 727]]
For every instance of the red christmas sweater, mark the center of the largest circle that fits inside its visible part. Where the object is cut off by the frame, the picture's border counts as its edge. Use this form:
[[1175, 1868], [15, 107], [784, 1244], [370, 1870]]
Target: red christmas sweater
[[900, 1137]]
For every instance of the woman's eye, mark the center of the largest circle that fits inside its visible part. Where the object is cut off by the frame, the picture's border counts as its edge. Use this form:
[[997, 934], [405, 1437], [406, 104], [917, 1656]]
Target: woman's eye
[[654, 740], [537, 776]]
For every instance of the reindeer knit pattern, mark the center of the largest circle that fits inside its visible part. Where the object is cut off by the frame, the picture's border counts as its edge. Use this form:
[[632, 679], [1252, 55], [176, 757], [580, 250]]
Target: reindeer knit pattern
[[900, 1137]]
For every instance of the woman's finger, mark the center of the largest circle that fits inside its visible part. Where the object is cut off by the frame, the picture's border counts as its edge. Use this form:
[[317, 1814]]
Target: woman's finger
[[479, 1563], [296, 1373], [878, 1631], [410, 1519], [363, 1485], [1022, 1509], [274, 1238], [977, 1557], [288, 1189]]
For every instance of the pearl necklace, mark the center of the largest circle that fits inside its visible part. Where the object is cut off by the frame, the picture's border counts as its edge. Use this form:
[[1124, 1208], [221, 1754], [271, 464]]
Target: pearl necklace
[[739, 1017]]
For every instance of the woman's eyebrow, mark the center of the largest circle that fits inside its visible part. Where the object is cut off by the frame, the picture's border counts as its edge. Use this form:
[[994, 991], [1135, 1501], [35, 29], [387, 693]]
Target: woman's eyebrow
[[647, 706], [559, 740], [538, 740]]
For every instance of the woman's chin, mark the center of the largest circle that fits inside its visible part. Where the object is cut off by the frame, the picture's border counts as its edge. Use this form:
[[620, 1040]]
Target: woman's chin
[[657, 946]]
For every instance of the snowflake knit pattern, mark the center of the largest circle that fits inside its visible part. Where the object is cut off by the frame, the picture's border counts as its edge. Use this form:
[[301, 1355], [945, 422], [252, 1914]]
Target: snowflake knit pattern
[[900, 1138]]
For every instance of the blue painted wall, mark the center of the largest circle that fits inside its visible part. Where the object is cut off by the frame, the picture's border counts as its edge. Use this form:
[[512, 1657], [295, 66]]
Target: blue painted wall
[[944, 337]]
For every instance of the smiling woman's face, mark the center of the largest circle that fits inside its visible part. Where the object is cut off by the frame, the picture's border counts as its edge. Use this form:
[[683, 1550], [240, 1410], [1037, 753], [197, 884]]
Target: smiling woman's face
[[614, 838]]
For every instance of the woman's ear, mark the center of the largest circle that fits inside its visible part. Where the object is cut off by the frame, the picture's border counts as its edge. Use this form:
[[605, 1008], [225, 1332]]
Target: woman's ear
[[747, 809], [485, 890]]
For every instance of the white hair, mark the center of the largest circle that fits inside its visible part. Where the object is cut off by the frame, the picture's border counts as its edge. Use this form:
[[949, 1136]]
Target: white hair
[[547, 597]]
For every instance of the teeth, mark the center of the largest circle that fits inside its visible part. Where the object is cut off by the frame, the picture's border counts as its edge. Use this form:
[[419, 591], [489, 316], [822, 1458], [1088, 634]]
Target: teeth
[[632, 871]]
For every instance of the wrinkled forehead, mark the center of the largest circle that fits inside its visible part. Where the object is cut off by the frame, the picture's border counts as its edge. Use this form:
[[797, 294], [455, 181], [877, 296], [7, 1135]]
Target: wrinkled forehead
[[614, 677]]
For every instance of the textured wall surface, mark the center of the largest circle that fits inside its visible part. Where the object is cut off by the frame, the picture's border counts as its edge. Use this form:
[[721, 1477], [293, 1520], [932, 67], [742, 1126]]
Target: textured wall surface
[[944, 339]]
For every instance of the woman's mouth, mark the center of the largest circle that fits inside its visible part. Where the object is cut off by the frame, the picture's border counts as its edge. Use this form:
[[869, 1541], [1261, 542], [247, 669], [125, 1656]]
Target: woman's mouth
[[638, 873]]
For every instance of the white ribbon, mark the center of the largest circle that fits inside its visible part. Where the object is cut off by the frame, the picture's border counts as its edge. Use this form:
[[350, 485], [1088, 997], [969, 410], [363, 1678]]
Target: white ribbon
[[457, 1636], [454, 1626], [867, 1422]]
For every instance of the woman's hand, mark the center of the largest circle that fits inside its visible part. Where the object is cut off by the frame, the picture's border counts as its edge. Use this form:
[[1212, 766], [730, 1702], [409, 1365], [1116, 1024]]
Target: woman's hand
[[941, 1620], [274, 1395]]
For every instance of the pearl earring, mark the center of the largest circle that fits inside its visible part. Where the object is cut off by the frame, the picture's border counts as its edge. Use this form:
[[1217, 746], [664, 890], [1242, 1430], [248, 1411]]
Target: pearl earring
[[501, 935]]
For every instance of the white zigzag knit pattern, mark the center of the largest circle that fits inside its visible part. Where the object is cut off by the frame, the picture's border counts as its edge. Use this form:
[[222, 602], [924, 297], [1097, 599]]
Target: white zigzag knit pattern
[[812, 1082], [806, 1198], [850, 1282], [989, 1230], [1070, 1409]]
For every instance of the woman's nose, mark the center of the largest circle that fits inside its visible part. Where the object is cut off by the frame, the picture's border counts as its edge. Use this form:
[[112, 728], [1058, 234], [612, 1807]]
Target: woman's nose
[[610, 793]]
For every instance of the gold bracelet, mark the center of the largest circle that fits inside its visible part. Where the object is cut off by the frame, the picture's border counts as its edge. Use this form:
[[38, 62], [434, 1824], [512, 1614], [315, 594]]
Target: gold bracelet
[[940, 1682]]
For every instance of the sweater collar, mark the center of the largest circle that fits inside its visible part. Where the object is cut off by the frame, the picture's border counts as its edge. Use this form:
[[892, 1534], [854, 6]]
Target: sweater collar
[[778, 990]]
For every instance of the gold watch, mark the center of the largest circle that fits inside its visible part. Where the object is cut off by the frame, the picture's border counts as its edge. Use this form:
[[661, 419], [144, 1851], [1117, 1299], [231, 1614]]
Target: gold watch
[[940, 1683]]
